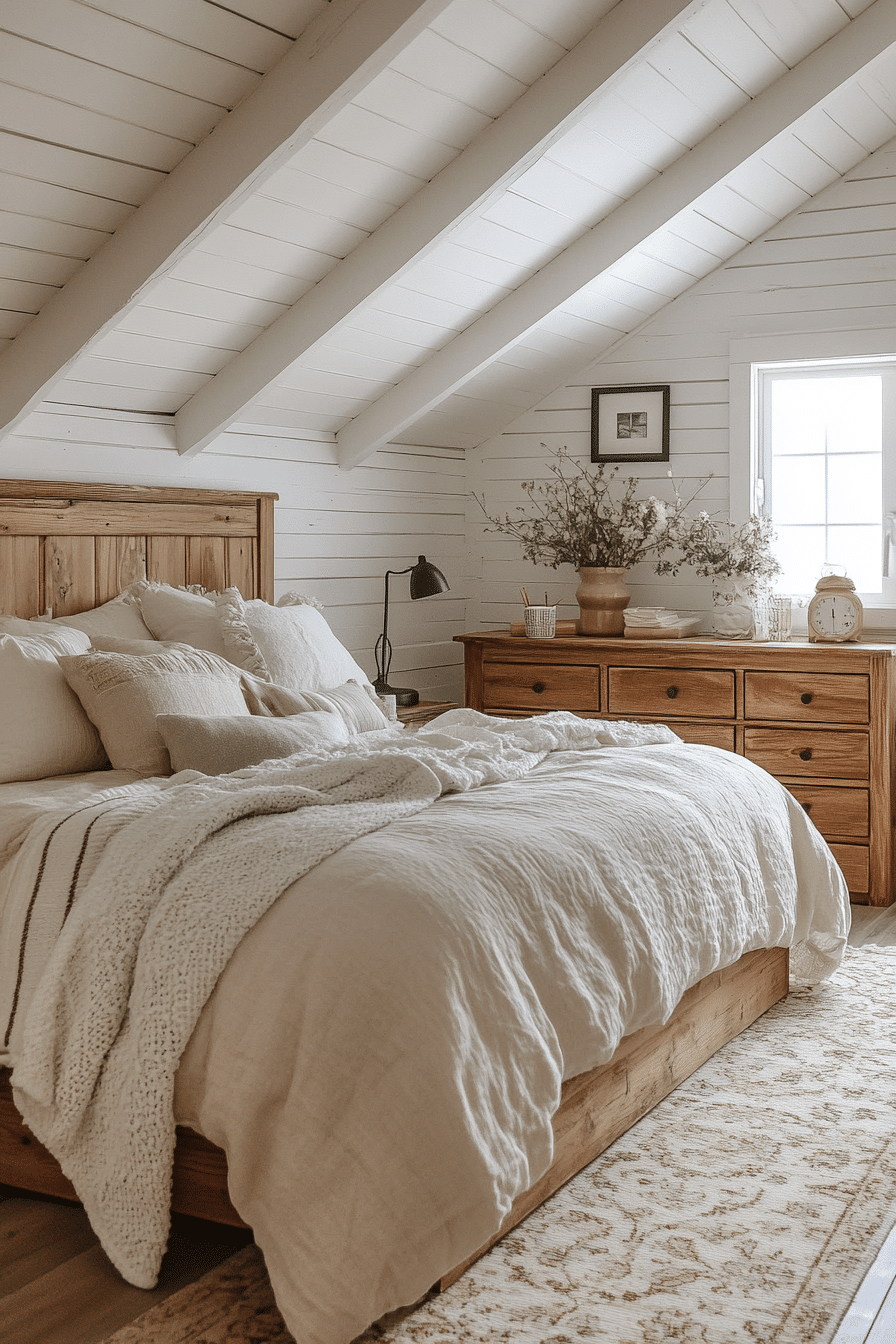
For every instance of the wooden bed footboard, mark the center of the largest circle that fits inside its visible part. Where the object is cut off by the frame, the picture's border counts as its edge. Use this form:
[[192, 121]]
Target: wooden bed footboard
[[595, 1108]]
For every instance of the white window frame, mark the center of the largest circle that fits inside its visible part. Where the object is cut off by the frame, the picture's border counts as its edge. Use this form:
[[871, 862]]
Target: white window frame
[[747, 358]]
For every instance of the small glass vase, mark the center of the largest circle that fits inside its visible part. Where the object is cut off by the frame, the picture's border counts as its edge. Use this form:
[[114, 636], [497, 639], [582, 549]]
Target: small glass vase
[[732, 608], [602, 596]]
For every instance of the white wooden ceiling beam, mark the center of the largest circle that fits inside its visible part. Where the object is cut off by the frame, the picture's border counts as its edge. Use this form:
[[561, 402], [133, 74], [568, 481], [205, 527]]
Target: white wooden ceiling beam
[[480, 172], [336, 56], [773, 111]]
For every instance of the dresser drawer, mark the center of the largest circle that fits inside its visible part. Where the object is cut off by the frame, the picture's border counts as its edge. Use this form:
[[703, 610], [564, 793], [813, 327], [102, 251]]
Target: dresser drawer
[[808, 697], [671, 693], [540, 687], [808, 752], [854, 861], [835, 811], [706, 734]]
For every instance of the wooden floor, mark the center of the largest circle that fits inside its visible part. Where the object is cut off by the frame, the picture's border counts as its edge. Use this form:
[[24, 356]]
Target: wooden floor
[[58, 1287]]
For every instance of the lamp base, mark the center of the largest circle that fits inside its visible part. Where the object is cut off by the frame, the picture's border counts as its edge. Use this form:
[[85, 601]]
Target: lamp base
[[404, 696]]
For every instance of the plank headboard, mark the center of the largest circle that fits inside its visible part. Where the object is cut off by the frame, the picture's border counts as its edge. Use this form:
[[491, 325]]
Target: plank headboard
[[68, 546]]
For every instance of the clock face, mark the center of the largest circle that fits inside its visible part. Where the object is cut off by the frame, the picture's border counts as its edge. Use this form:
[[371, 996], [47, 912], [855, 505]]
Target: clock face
[[833, 616]]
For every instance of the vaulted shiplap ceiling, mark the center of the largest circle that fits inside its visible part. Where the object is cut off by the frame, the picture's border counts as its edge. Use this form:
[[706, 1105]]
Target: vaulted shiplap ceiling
[[392, 220]]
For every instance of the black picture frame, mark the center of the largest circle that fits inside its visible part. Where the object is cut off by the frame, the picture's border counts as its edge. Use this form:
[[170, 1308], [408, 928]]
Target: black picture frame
[[638, 416]]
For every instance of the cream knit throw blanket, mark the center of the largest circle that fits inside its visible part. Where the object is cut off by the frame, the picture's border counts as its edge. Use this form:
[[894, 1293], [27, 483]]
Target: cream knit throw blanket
[[173, 893]]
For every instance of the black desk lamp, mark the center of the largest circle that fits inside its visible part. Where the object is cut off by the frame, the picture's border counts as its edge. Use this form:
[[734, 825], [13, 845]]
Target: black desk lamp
[[426, 581]]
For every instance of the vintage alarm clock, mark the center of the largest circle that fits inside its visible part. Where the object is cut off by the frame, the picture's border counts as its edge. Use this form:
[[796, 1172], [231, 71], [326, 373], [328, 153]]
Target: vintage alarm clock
[[835, 612]]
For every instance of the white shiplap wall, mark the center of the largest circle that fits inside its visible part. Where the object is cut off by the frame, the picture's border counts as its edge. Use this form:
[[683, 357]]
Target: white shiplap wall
[[830, 267], [337, 532]]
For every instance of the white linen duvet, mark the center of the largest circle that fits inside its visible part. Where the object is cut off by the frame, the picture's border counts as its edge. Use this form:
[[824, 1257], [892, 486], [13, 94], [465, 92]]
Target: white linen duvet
[[366, 976]]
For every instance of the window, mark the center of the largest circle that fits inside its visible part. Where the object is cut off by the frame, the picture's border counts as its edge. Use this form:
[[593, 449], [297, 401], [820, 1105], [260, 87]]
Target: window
[[825, 469]]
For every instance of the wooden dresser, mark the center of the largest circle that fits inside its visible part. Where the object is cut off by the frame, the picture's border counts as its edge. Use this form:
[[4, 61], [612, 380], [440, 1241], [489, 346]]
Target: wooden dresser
[[819, 717]]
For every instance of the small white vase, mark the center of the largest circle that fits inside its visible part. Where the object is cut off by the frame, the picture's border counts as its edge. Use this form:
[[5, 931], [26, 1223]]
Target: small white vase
[[732, 608], [602, 596]]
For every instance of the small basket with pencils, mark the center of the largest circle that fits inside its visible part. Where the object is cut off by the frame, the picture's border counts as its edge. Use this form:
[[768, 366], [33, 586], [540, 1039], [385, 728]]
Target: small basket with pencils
[[541, 622]]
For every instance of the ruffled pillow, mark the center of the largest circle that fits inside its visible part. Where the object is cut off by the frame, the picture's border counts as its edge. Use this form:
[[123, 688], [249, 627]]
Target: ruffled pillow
[[43, 728], [179, 616], [216, 745], [123, 694], [290, 646]]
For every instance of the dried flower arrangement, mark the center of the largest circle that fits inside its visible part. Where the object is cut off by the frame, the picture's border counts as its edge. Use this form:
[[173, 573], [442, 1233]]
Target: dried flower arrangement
[[578, 520], [719, 550]]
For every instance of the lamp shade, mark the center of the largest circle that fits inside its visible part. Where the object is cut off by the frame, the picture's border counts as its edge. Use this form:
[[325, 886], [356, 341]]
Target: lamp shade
[[426, 580]]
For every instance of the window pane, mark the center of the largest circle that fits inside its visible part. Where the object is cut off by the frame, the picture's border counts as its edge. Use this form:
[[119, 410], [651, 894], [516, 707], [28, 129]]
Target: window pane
[[853, 413], [859, 550], [797, 419], [854, 488], [798, 491], [800, 551], [841, 414]]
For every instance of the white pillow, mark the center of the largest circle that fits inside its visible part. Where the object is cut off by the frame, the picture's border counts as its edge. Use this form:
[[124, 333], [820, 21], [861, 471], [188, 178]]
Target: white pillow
[[120, 618], [356, 706], [290, 646], [43, 729], [216, 745], [180, 617], [122, 695], [17, 625]]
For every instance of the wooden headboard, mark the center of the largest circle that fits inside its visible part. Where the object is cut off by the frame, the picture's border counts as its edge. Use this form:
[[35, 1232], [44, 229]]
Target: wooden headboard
[[68, 546]]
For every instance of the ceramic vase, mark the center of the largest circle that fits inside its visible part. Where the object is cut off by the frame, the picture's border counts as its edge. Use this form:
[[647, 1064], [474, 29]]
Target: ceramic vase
[[602, 596], [732, 608]]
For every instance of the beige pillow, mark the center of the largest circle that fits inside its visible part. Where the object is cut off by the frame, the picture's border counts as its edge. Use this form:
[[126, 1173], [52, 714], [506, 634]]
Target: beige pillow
[[123, 694], [357, 707], [43, 729], [181, 617], [216, 745], [137, 648], [290, 646], [120, 617]]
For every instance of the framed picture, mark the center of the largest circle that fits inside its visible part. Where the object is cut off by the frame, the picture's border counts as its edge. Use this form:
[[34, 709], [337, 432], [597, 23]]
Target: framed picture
[[630, 424]]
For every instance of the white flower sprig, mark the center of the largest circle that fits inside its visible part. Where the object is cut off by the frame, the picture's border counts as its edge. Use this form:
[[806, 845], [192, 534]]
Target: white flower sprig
[[719, 550]]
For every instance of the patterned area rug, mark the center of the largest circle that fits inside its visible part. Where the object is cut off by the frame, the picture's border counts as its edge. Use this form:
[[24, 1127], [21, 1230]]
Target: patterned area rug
[[745, 1209]]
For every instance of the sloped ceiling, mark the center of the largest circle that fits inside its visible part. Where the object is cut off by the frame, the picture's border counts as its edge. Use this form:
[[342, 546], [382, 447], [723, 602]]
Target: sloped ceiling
[[387, 221]]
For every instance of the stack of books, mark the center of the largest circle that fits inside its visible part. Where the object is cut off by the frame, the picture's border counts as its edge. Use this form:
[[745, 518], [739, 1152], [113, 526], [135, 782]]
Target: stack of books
[[658, 623]]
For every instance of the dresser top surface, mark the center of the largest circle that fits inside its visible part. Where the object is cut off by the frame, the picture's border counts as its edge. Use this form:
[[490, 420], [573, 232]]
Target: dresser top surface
[[706, 646]]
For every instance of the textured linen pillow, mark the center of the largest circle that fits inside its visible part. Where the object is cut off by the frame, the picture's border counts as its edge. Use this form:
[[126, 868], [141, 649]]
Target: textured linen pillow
[[137, 648], [175, 615], [215, 745], [122, 695], [43, 729], [120, 617], [290, 646], [357, 707]]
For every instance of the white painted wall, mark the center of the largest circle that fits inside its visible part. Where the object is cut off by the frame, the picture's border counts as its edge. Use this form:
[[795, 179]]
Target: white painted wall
[[337, 532], [824, 278]]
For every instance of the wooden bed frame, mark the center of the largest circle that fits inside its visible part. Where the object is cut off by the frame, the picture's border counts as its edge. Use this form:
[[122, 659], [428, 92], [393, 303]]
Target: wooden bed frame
[[68, 547]]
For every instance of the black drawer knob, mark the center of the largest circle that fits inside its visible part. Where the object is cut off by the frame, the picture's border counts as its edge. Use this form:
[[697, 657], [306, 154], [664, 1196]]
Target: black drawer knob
[[806, 698], [538, 687], [807, 807], [671, 691], [806, 754]]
